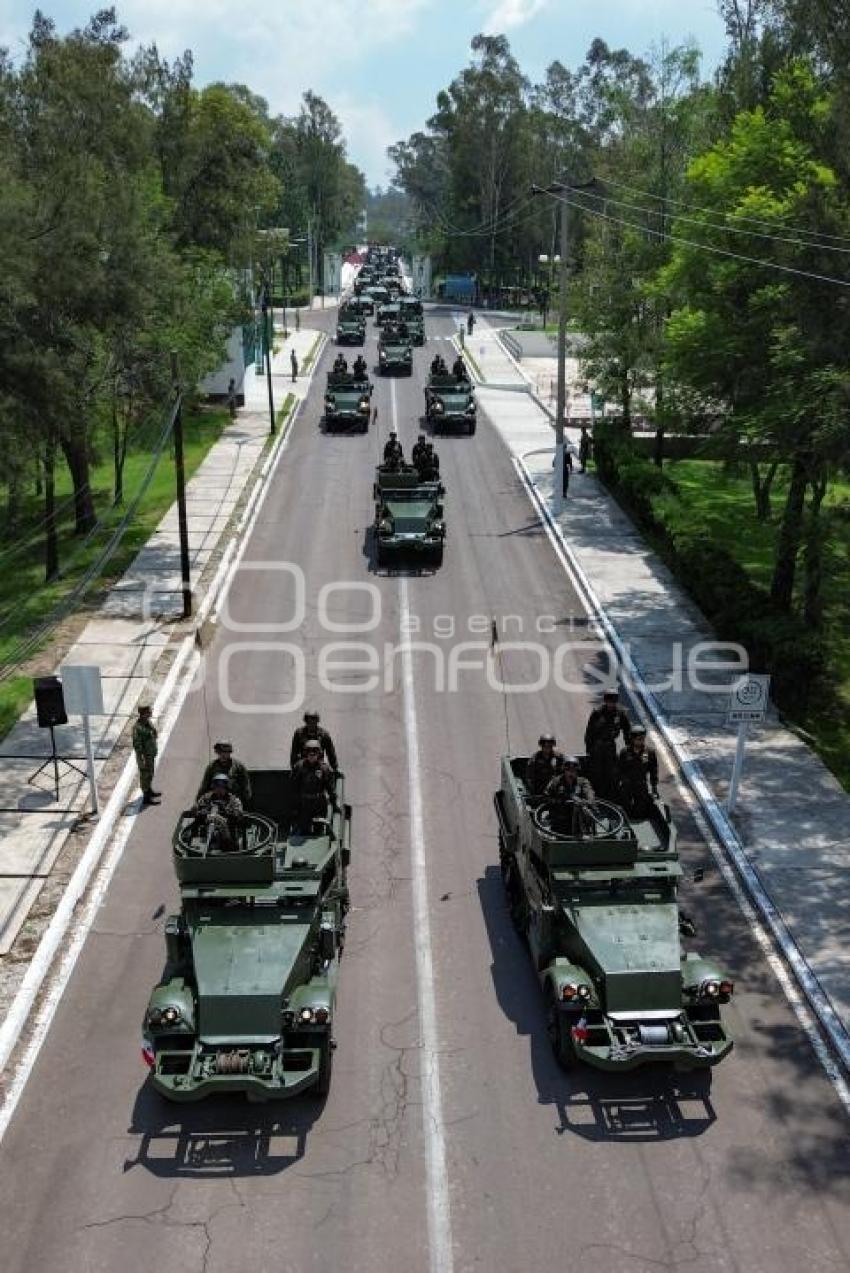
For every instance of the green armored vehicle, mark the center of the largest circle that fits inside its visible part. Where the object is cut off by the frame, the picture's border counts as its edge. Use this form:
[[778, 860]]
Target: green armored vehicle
[[394, 351], [596, 901], [450, 404], [411, 312], [247, 998], [347, 401], [409, 522], [362, 303], [388, 314], [351, 327]]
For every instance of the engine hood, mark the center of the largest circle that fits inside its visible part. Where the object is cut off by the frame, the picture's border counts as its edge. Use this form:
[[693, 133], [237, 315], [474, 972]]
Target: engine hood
[[636, 950]]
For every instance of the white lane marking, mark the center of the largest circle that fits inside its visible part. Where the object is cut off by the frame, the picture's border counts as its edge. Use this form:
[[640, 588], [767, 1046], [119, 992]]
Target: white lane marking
[[805, 1016], [433, 1123], [67, 914]]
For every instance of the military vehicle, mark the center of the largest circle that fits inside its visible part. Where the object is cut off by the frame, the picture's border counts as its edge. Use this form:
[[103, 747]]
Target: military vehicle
[[247, 998], [379, 294], [387, 313], [595, 897], [351, 327], [361, 303], [347, 400], [394, 351], [450, 403], [411, 312], [409, 522]]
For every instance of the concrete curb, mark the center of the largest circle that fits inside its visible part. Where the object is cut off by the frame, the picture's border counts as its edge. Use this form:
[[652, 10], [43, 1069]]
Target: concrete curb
[[721, 827], [18, 1015]]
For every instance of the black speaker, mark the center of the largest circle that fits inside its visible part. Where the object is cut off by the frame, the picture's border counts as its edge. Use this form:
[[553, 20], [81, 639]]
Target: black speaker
[[49, 701]]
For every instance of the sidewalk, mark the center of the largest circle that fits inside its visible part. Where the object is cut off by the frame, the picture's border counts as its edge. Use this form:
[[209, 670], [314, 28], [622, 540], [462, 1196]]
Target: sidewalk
[[792, 815], [127, 639]]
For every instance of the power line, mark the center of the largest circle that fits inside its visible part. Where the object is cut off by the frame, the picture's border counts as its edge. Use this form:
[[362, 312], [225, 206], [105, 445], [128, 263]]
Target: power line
[[710, 225], [705, 247], [695, 207]]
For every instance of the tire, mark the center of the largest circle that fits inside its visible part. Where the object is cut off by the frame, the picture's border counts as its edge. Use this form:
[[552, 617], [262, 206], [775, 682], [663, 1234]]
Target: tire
[[472, 429], [438, 556], [326, 1064], [557, 1028]]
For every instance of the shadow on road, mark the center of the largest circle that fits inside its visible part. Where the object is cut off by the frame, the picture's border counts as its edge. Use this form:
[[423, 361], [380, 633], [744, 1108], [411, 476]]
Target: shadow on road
[[643, 1105], [219, 1137]]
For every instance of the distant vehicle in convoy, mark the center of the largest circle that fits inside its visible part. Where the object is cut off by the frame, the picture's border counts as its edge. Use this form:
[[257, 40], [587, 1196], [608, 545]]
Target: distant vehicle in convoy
[[409, 526], [246, 1002], [450, 404], [351, 327], [347, 401], [379, 294], [596, 902], [411, 313], [361, 304], [394, 351], [389, 312]]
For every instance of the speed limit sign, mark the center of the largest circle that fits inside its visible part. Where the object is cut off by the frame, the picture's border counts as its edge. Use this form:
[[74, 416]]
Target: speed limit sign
[[748, 700]]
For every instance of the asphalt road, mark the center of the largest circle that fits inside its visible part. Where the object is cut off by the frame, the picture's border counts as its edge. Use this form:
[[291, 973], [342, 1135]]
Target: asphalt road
[[745, 1169]]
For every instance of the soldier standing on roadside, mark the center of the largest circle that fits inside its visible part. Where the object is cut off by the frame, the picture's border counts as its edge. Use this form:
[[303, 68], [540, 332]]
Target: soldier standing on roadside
[[145, 746], [231, 398], [293, 362], [604, 726], [584, 449]]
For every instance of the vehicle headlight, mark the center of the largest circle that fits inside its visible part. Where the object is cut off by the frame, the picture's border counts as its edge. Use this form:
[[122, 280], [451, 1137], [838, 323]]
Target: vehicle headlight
[[364, 404], [439, 406], [329, 402], [314, 1016], [385, 527], [470, 410], [709, 989], [584, 992], [305, 1016], [437, 530], [727, 989], [569, 990], [382, 355], [170, 1015]]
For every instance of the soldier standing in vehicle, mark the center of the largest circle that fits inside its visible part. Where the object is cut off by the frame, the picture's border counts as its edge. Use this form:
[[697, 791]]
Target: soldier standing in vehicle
[[225, 763], [417, 455], [393, 452], [604, 726], [359, 365], [459, 368], [309, 730], [543, 766], [637, 775], [313, 786], [220, 812], [145, 746], [571, 796]]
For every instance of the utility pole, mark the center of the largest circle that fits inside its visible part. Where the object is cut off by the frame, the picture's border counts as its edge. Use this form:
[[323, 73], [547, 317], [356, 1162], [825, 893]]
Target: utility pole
[[180, 474], [268, 334], [310, 259], [561, 407]]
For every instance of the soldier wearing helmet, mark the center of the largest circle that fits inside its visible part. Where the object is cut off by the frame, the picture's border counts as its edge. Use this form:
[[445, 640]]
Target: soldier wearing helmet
[[219, 812], [604, 726], [637, 775], [393, 452], [312, 729], [313, 787], [226, 763], [417, 455], [544, 765], [572, 796]]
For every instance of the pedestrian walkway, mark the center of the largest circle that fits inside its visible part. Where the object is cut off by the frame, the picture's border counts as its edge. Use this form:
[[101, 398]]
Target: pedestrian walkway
[[792, 814], [126, 640]]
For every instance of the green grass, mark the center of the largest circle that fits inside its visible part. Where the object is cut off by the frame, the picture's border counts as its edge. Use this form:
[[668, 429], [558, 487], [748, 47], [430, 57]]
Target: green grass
[[282, 414], [26, 601], [311, 354], [719, 506]]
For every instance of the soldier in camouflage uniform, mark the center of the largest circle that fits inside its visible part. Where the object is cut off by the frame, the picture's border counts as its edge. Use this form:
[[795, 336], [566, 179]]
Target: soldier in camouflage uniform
[[224, 763], [220, 813], [605, 725], [543, 766], [145, 746], [417, 455], [313, 786], [571, 797], [309, 730], [637, 773]]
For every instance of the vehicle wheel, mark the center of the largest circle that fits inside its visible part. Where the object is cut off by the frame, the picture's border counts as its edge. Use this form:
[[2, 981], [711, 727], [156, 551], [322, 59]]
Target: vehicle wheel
[[326, 1062], [438, 556], [557, 1027], [472, 428]]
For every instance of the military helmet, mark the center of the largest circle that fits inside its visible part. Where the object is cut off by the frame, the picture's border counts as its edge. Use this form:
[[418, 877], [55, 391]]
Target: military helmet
[[611, 696], [421, 437], [311, 714], [312, 744], [571, 762], [219, 780], [546, 738], [223, 745], [393, 433], [638, 731]]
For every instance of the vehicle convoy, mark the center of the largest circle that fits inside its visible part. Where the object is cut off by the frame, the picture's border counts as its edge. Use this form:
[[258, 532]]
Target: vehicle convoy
[[351, 327], [450, 403], [347, 400], [596, 900], [409, 522], [395, 352], [388, 313], [246, 1001]]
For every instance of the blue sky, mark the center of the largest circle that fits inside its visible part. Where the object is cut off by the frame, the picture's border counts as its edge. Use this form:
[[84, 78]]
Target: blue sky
[[379, 63]]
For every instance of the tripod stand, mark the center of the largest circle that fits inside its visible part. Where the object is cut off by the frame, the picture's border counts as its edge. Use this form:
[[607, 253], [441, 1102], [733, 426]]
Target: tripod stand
[[55, 760]]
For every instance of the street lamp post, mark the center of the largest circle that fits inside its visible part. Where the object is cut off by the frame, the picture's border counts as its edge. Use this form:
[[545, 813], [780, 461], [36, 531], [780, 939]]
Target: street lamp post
[[267, 338]]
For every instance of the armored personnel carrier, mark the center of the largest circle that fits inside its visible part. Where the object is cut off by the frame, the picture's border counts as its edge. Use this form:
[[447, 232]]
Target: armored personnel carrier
[[394, 351], [347, 401], [411, 312], [408, 522], [351, 327], [450, 404], [597, 904], [246, 1001]]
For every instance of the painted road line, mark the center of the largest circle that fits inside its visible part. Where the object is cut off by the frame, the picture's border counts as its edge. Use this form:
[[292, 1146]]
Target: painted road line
[[433, 1123]]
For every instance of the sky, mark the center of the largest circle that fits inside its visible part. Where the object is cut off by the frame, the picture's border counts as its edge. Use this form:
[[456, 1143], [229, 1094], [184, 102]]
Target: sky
[[378, 63]]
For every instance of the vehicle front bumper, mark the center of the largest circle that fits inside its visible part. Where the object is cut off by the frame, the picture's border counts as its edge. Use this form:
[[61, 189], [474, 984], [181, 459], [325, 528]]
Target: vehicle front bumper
[[704, 1045], [279, 1083]]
